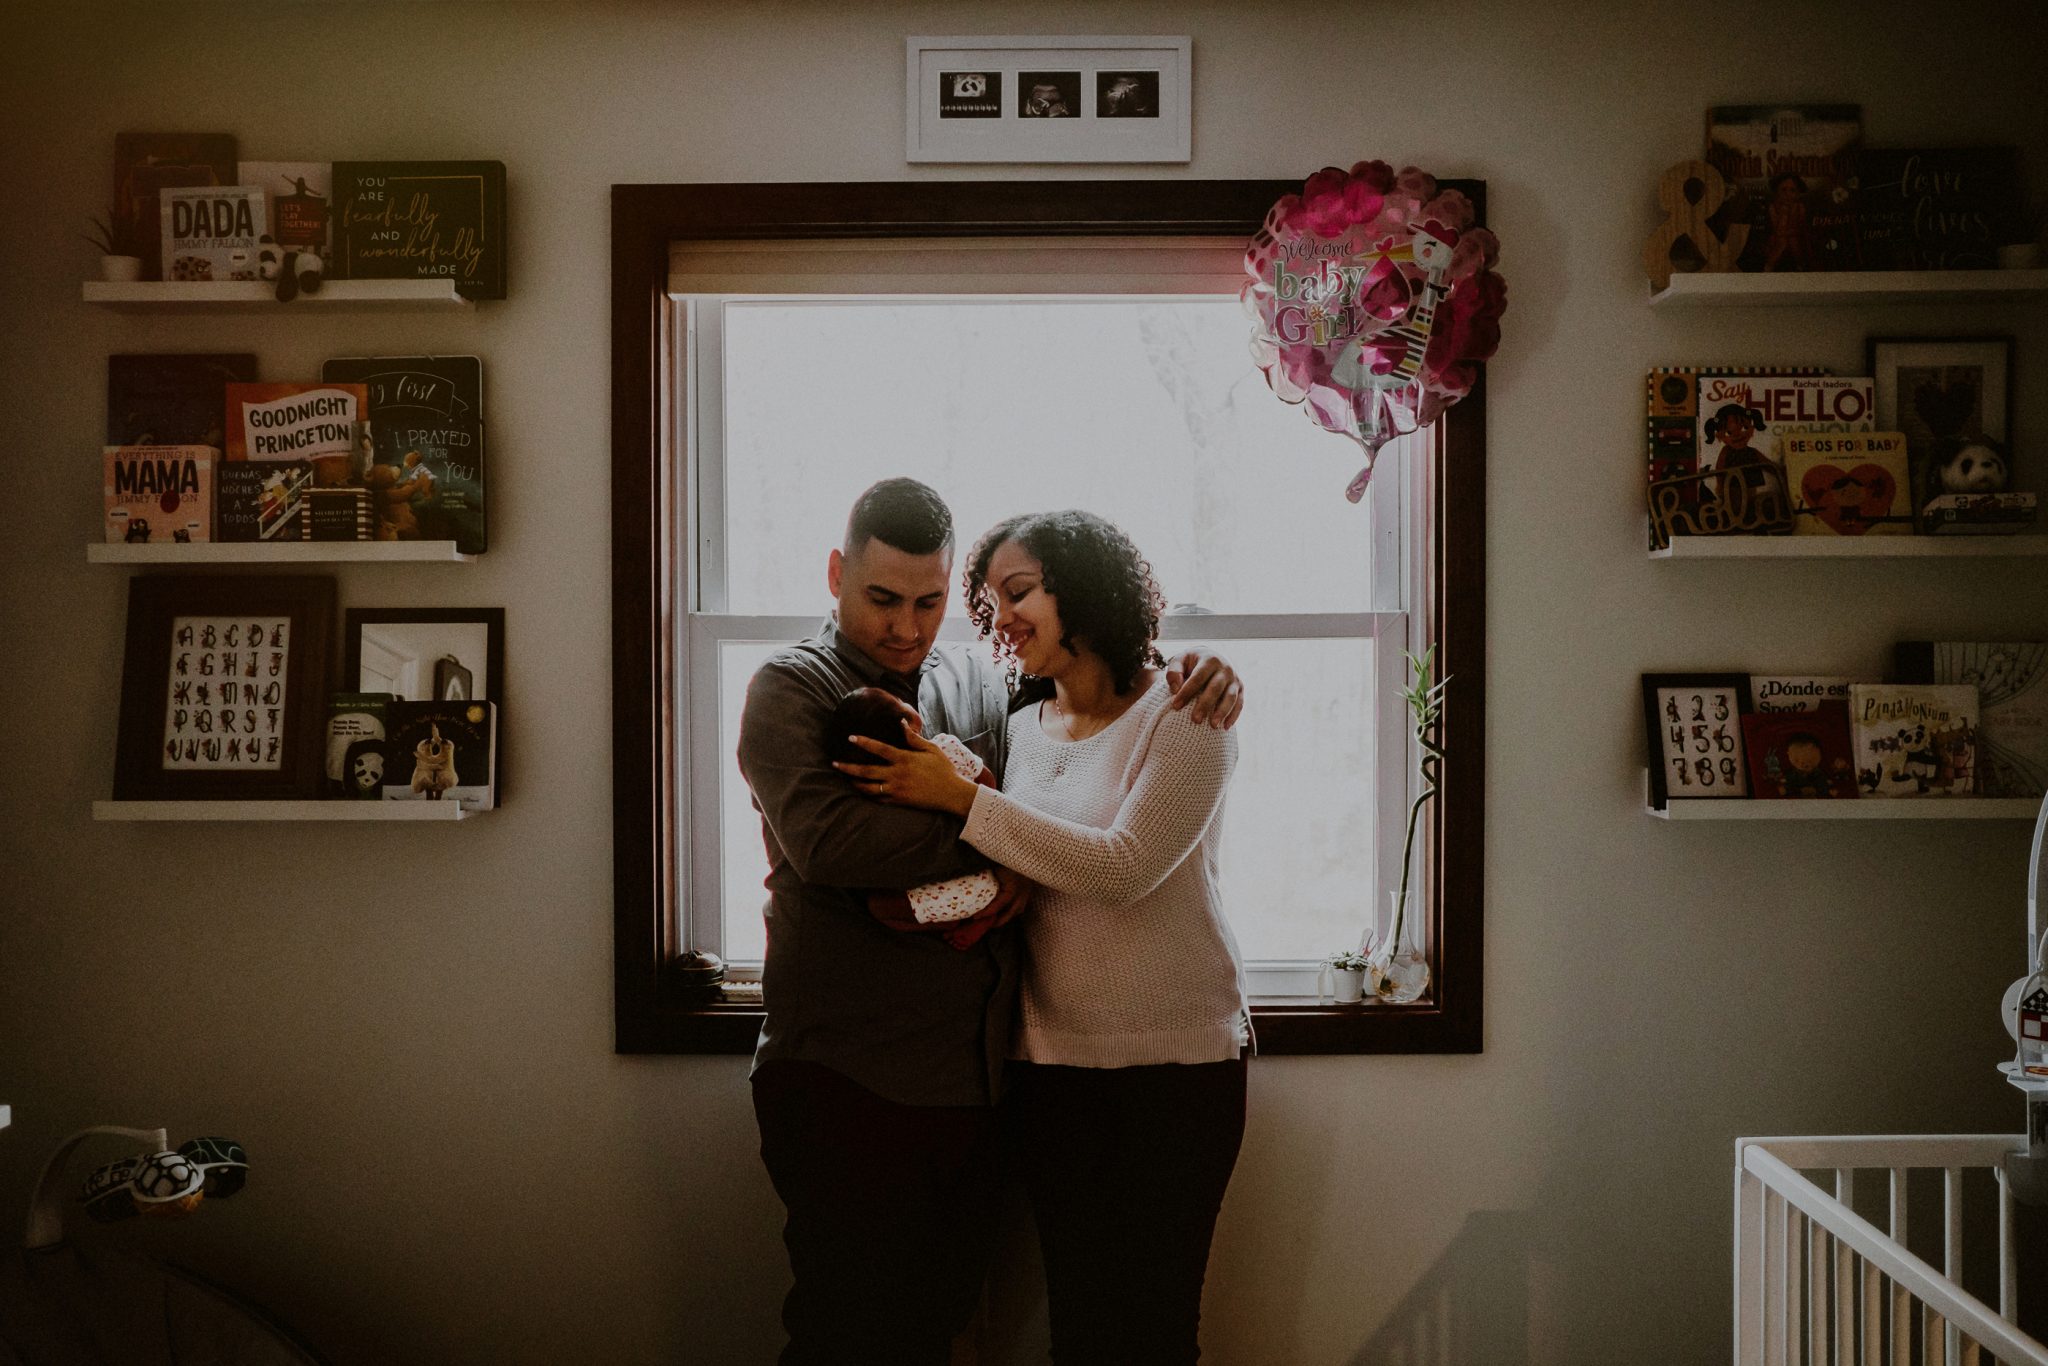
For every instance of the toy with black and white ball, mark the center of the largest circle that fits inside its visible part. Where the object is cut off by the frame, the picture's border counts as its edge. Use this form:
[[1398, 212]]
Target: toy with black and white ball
[[296, 272], [1974, 465]]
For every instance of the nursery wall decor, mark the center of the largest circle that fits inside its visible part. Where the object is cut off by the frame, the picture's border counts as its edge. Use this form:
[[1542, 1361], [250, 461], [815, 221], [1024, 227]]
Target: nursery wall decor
[[1695, 732], [1046, 99], [1690, 193], [222, 687], [1374, 299], [1952, 398]]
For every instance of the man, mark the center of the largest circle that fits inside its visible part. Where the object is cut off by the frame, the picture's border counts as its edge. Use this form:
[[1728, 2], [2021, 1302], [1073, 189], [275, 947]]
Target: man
[[882, 1051]]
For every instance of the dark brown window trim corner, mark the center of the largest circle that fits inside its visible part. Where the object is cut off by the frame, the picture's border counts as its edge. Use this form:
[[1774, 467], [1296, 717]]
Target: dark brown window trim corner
[[651, 1015]]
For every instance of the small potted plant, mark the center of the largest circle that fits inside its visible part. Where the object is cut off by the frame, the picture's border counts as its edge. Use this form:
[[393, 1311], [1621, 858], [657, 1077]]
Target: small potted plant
[[1343, 976], [1396, 962], [113, 265]]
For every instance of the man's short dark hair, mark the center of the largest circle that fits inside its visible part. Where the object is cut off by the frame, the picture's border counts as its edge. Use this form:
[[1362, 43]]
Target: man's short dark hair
[[902, 513]]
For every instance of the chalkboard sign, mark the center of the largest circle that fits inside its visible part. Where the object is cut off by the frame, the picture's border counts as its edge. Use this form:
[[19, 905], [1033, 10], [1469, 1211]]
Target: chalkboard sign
[[422, 220], [1941, 208]]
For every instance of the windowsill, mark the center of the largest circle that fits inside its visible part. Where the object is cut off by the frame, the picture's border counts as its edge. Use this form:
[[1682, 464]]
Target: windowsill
[[1284, 1026]]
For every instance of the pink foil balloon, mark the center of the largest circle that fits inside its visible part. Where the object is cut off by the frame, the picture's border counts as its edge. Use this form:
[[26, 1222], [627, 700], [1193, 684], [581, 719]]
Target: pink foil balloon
[[1374, 300]]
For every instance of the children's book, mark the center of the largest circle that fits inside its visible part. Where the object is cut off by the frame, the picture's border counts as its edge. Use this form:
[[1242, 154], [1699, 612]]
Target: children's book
[[1687, 496], [1796, 692], [1743, 418], [156, 494], [426, 475], [1915, 740], [172, 400], [422, 220], [1800, 753], [212, 233], [147, 164], [1849, 483], [2012, 705], [261, 500], [443, 751], [315, 423], [357, 724], [338, 514], [297, 196], [1791, 171], [1978, 514]]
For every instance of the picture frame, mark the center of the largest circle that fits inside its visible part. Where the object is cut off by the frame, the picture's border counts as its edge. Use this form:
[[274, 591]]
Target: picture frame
[[1691, 719], [1047, 99], [194, 691], [1920, 382], [414, 653]]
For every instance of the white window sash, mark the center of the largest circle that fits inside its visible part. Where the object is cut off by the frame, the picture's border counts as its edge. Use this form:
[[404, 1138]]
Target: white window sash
[[705, 277], [704, 749]]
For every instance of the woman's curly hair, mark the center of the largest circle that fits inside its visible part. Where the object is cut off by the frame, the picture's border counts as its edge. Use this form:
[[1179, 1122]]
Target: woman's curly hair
[[1107, 596]]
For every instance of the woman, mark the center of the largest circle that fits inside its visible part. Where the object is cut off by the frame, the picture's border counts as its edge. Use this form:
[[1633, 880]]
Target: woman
[[1127, 1089]]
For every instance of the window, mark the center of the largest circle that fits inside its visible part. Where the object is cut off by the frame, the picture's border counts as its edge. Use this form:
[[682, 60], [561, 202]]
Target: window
[[1013, 374]]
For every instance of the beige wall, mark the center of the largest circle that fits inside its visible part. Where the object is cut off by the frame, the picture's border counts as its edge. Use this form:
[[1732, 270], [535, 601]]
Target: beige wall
[[411, 1029]]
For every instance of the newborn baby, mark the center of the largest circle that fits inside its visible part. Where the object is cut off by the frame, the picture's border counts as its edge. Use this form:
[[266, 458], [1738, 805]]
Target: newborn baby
[[955, 909]]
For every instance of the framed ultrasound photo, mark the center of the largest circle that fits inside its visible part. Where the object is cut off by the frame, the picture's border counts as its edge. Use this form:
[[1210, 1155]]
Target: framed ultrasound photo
[[1694, 726], [1062, 99]]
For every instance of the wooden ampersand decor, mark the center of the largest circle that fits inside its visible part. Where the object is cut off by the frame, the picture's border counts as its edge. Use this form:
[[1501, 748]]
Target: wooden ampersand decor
[[1689, 194]]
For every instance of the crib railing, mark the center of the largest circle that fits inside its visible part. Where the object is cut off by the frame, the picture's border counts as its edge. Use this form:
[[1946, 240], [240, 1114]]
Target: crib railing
[[1818, 1285]]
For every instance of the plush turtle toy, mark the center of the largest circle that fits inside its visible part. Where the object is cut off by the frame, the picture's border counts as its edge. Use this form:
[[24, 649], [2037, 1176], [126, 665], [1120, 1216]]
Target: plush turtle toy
[[296, 272]]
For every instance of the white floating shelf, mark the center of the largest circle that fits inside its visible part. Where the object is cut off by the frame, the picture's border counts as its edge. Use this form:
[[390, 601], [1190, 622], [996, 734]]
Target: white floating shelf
[[1846, 809], [280, 811], [259, 295], [1735, 289], [279, 552], [2031, 1085], [1852, 547]]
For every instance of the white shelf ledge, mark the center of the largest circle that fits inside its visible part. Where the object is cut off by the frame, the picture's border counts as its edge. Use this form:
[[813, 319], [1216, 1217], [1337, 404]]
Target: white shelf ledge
[[1853, 547], [279, 552], [2033, 1086], [1735, 289], [1845, 808], [258, 295], [279, 811]]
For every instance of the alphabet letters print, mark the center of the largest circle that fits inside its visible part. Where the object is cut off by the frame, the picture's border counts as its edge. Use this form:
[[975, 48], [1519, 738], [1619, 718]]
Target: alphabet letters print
[[225, 695]]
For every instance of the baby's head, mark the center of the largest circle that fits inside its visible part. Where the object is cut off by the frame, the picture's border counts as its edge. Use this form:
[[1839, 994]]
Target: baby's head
[[873, 712]]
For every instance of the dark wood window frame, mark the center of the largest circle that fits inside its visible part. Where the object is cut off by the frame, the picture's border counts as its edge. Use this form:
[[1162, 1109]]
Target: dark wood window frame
[[652, 1014]]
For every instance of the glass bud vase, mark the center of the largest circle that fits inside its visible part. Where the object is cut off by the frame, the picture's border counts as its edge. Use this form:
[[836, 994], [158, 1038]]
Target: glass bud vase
[[1400, 971]]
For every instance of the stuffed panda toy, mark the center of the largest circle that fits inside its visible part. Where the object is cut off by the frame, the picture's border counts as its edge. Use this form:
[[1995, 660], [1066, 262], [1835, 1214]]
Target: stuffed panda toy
[[1975, 465], [295, 271]]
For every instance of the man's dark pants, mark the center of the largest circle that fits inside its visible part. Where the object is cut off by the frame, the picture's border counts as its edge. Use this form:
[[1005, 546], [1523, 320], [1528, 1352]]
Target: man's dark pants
[[891, 1216]]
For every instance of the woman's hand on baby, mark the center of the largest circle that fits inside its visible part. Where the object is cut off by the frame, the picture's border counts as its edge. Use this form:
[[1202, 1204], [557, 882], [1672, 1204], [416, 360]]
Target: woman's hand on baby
[[917, 774]]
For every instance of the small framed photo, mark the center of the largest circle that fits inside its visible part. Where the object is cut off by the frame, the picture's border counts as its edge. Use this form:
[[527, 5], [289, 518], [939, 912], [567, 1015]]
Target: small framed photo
[[1694, 725], [1058, 99], [1952, 397], [223, 688], [426, 654]]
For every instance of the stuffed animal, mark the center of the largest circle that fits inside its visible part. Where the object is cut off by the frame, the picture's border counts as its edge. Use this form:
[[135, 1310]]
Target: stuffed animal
[[433, 765], [1974, 466], [296, 272], [392, 497]]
